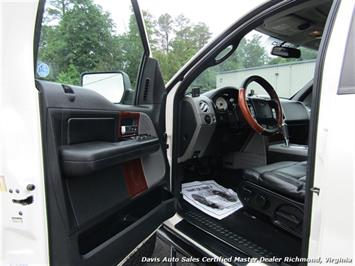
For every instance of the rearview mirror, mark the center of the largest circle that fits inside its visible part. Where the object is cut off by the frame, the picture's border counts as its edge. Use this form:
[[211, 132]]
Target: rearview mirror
[[286, 52], [114, 86]]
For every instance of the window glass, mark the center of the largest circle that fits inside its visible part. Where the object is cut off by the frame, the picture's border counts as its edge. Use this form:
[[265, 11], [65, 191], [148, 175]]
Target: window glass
[[177, 30], [253, 57], [81, 36]]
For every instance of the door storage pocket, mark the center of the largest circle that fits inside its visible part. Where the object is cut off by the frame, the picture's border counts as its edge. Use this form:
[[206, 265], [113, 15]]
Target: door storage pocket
[[111, 227]]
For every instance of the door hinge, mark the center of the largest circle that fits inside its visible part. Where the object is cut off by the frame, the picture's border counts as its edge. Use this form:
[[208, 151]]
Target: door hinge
[[315, 190], [165, 138]]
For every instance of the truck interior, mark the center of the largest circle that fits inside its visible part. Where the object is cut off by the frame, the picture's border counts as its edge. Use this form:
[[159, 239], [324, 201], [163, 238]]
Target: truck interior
[[255, 144], [108, 181]]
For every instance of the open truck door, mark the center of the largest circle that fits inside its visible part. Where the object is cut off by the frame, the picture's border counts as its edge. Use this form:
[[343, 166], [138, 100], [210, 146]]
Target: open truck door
[[106, 169]]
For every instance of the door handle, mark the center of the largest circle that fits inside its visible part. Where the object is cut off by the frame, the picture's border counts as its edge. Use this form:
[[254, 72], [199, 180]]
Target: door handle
[[26, 201]]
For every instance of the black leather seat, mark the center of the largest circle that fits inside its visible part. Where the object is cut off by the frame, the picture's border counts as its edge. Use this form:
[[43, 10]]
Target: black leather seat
[[286, 178]]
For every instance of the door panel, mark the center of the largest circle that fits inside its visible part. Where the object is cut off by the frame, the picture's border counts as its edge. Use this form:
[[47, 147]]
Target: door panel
[[106, 175]]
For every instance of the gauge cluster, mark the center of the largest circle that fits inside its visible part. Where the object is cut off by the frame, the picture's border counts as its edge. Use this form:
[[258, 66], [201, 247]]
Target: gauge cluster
[[224, 101], [221, 104]]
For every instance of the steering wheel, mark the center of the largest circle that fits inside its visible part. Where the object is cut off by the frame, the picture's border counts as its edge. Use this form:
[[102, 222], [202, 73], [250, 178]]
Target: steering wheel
[[246, 103]]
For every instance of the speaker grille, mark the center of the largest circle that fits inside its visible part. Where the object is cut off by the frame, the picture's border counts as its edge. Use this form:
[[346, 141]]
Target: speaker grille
[[146, 89]]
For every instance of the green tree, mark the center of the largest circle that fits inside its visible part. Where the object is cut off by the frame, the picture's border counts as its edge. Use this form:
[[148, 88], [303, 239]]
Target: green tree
[[151, 28], [129, 50], [56, 9], [200, 35], [78, 36], [308, 54], [206, 81], [86, 30], [69, 76], [251, 53], [164, 31], [176, 40], [83, 38]]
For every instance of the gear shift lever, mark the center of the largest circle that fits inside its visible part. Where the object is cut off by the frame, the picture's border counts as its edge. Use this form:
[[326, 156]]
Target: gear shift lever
[[284, 131]]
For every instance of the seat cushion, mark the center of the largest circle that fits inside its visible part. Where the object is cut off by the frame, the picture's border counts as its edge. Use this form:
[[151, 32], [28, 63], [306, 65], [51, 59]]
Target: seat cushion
[[287, 178]]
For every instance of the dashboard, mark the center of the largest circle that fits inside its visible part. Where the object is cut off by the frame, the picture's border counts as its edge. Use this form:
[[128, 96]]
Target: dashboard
[[225, 102], [212, 122], [223, 99], [197, 125], [222, 104]]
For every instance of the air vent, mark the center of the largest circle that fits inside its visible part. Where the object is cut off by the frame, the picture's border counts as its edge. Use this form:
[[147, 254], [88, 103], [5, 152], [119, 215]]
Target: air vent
[[204, 106], [146, 89]]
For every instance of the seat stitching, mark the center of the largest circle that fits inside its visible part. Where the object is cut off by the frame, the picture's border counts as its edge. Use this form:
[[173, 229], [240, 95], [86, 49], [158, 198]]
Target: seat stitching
[[285, 178]]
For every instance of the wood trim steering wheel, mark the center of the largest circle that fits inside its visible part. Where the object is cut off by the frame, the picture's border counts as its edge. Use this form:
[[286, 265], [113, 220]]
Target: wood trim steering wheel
[[243, 105]]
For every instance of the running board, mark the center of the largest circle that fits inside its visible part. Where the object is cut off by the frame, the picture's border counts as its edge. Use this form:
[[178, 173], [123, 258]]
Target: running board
[[224, 235]]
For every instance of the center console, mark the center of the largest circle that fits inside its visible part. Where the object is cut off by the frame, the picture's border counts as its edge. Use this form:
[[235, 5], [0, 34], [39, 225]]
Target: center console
[[282, 152]]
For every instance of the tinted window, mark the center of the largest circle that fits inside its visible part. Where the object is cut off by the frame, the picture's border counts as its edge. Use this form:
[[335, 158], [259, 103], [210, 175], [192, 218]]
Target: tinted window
[[80, 36]]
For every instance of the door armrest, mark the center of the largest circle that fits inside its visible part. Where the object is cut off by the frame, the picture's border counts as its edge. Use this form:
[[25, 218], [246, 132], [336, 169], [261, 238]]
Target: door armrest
[[89, 157]]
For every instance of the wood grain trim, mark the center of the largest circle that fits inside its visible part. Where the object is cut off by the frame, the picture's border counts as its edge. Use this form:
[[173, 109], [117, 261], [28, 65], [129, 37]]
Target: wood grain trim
[[242, 102], [129, 115], [134, 177]]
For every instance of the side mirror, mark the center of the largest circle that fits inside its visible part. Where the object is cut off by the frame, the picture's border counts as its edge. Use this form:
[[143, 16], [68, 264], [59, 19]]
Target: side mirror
[[286, 52], [114, 86]]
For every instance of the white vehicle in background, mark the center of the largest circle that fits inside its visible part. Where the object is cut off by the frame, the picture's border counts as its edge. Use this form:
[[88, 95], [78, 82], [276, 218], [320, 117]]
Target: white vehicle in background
[[91, 174]]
